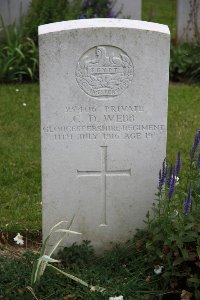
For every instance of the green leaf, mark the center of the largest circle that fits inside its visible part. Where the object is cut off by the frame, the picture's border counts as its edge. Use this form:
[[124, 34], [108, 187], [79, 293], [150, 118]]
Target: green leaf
[[67, 231], [34, 271], [20, 52], [48, 259], [70, 276], [198, 251], [185, 254], [30, 72], [62, 236], [149, 244], [42, 251], [38, 270], [194, 280], [189, 226]]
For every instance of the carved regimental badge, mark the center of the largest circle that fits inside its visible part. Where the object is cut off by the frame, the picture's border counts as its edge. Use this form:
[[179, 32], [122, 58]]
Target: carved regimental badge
[[104, 71]]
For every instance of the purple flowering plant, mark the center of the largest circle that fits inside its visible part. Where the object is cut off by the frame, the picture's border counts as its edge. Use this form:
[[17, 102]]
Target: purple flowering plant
[[174, 225]]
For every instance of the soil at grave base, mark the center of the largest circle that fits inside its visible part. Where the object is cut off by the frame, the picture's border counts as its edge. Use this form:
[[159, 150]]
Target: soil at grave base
[[14, 251], [8, 248]]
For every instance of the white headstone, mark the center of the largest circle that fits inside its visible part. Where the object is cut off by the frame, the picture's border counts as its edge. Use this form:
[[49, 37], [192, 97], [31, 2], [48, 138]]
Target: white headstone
[[188, 21], [12, 10], [128, 9], [104, 85]]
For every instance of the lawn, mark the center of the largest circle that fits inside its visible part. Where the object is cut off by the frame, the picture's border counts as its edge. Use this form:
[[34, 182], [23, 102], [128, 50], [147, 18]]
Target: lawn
[[183, 119], [20, 177], [20, 157], [159, 11]]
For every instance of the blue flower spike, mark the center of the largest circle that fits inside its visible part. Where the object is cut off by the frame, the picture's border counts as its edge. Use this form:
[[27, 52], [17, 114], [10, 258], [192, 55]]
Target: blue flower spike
[[172, 185], [198, 160], [168, 179], [162, 175], [178, 164], [188, 201], [195, 145]]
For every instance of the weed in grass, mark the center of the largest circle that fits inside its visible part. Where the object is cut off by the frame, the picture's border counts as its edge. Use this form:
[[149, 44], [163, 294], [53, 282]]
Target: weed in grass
[[18, 55], [45, 259]]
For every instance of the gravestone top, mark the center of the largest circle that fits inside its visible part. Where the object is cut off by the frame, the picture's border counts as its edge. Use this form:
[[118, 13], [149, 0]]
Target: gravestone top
[[102, 23], [103, 88]]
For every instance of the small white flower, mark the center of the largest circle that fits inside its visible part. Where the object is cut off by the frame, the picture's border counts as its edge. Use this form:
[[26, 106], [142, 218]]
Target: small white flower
[[92, 289], [116, 298], [24, 104], [158, 270], [17, 90], [176, 180], [19, 239], [175, 212]]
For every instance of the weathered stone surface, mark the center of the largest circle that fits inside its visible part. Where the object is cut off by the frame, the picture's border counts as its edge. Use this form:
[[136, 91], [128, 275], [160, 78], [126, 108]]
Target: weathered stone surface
[[188, 21], [104, 85], [12, 10], [131, 9]]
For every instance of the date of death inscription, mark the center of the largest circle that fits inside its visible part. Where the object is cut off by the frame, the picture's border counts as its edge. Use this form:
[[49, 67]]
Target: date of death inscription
[[103, 123]]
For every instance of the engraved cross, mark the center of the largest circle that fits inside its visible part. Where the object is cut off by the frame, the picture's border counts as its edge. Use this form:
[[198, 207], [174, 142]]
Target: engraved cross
[[103, 173]]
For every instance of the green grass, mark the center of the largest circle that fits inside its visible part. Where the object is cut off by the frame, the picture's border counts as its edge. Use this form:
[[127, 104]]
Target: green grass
[[122, 271], [20, 178], [20, 157], [160, 11], [183, 119]]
